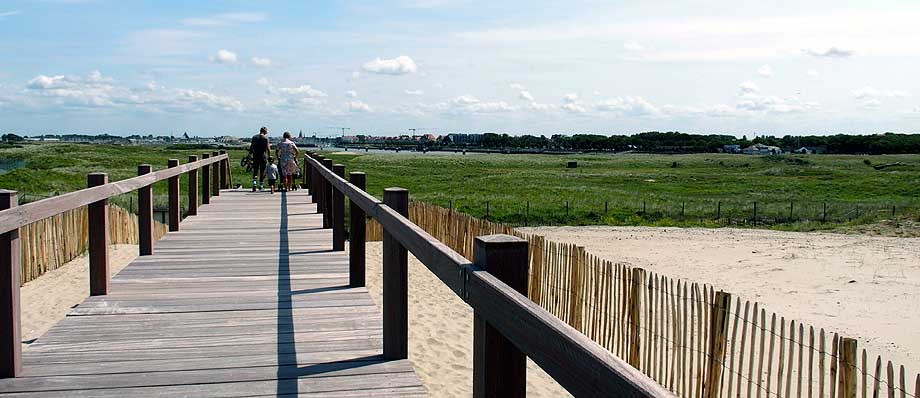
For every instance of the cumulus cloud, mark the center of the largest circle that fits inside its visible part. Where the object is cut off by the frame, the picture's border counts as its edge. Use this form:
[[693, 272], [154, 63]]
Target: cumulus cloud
[[262, 62], [570, 98], [413, 92], [773, 104], [831, 52], [468, 104], [224, 57], [400, 65], [871, 97], [525, 95], [264, 82], [225, 19], [573, 107], [633, 46], [516, 86], [98, 91], [765, 71], [305, 90], [747, 88], [631, 106], [351, 94], [358, 106]]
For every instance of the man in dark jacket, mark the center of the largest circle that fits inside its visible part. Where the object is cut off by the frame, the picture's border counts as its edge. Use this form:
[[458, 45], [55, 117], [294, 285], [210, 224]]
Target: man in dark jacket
[[261, 150]]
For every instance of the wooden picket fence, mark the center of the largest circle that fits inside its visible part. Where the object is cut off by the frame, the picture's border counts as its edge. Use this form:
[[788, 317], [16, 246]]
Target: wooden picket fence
[[692, 338], [52, 242]]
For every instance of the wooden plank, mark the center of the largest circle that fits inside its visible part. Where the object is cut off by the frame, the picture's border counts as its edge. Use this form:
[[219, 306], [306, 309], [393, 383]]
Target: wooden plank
[[274, 324]]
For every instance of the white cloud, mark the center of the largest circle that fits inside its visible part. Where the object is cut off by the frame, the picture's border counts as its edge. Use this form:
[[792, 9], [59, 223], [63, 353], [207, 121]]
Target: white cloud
[[574, 108], [224, 57], [765, 71], [813, 73], [631, 106], [525, 95], [468, 104], [98, 91], [354, 76], [303, 90], [225, 19], [264, 82], [351, 94], [8, 14], [516, 86], [748, 87], [871, 97], [413, 92], [262, 62], [570, 98], [831, 52], [400, 65], [358, 106], [633, 46], [773, 104]]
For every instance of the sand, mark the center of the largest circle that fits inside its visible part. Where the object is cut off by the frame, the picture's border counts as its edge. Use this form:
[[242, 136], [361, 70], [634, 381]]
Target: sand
[[441, 333], [48, 299], [864, 287]]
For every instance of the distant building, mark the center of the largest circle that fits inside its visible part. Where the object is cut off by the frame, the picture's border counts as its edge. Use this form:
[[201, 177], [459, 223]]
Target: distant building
[[469, 139], [731, 148], [761, 149]]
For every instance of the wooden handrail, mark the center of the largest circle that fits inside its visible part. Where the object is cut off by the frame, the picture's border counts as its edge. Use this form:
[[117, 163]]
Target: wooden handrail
[[577, 363], [19, 216]]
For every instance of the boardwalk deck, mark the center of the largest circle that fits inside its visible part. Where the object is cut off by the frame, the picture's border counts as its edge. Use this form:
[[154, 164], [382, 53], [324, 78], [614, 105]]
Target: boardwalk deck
[[246, 300]]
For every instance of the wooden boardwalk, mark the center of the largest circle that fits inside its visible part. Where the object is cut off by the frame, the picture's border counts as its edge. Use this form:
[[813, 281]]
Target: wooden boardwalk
[[246, 300]]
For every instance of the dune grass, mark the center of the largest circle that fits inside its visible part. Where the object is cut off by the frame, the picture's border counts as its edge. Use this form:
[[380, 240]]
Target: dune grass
[[662, 190]]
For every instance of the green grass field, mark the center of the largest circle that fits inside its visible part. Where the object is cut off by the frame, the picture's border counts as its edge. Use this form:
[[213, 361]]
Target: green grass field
[[637, 189], [672, 189]]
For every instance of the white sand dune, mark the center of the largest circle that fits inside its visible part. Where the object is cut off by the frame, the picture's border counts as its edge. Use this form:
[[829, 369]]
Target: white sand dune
[[864, 287]]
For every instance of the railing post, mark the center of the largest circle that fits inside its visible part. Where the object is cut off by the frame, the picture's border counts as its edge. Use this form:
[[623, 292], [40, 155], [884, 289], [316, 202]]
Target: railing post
[[357, 235], [224, 167], [338, 212], [395, 283], [718, 341], [318, 185], [327, 196], [193, 188], [98, 217], [145, 214], [308, 176], [205, 181], [173, 191], [303, 173], [10, 333], [215, 175], [499, 368]]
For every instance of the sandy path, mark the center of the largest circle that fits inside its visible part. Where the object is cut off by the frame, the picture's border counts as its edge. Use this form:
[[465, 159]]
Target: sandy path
[[865, 287], [441, 333], [48, 299]]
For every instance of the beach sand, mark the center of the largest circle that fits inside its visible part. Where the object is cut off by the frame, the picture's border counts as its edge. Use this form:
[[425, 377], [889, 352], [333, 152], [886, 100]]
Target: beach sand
[[48, 299], [441, 333], [864, 287]]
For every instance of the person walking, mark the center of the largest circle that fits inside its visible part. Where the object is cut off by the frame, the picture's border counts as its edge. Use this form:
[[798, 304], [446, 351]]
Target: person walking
[[260, 149], [287, 153]]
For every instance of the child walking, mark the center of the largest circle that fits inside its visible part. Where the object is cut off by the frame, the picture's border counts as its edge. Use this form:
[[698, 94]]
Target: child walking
[[271, 173]]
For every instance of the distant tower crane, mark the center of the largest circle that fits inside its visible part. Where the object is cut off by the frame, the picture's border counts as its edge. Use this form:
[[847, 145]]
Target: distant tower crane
[[338, 127]]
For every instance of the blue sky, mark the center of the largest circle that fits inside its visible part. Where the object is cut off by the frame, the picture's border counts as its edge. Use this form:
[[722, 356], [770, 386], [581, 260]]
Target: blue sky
[[381, 67]]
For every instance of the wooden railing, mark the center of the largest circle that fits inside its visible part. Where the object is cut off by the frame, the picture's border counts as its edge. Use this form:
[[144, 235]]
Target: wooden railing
[[215, 169], [507, 326]]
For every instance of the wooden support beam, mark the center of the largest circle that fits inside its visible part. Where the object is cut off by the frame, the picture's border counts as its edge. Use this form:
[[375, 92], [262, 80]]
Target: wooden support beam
[[145, 214], [357, 231], [499, 368], [303, 174], [10, 318], [224, 170], [327, 196], [173, 193], [98, 217], [205, 181], [338, 212], [308, 177], [318, 181], [215, 175], [395, 283], [193, 188]]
